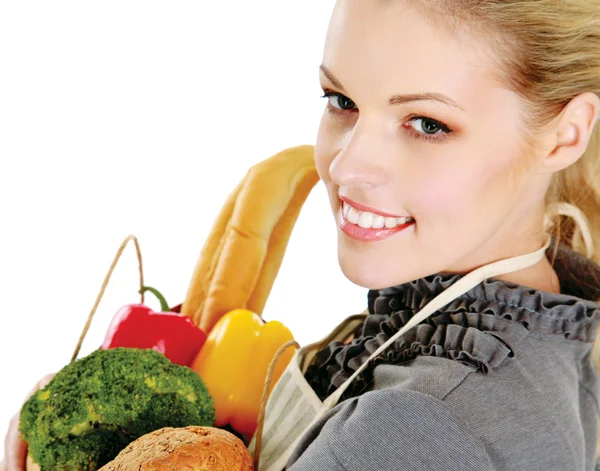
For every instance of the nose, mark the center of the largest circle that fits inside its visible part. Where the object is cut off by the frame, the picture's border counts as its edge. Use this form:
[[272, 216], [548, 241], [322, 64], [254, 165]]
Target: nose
[[359, 163]]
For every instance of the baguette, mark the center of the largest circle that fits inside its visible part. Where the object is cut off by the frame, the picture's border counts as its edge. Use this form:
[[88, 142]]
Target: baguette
[[243, 253]]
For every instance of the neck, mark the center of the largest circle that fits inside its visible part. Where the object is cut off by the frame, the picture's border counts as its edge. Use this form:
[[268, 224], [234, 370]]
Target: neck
[[541, 277]]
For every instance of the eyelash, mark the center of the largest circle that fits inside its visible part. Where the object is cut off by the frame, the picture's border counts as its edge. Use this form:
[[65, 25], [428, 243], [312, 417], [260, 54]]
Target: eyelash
[[417, 135]]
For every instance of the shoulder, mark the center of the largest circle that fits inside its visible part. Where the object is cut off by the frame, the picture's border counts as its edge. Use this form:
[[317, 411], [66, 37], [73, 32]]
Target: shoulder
[[392, 428]]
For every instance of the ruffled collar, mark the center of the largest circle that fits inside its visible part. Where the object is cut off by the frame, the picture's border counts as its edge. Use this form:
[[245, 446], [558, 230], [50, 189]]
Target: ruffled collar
[[505, 310]]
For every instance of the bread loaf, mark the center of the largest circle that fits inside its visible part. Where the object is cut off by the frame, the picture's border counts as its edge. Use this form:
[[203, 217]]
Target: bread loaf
[[244, 250], [190, 448]]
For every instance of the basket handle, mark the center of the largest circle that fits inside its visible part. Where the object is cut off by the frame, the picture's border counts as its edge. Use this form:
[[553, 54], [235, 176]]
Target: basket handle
[[105, 284]]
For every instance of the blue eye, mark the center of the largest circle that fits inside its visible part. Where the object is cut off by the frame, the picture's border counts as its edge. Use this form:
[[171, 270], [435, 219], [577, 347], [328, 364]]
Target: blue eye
[[428, 126], [418, 127], [430, 129]]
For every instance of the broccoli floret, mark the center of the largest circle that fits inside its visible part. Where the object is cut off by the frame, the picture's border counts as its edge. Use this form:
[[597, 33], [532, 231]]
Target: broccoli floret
[[94, 407]]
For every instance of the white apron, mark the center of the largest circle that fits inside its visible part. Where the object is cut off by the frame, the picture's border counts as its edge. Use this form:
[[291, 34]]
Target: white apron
[[293, 407]]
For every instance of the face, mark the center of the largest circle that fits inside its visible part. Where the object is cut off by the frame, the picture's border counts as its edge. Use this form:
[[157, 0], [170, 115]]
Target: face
[[416, 126]]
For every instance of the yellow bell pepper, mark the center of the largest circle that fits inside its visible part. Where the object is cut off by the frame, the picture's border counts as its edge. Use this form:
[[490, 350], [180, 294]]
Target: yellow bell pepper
[[233, 364]]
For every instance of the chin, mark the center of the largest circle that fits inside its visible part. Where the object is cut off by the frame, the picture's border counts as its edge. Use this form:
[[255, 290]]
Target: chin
[[371, 267], [367, 274]]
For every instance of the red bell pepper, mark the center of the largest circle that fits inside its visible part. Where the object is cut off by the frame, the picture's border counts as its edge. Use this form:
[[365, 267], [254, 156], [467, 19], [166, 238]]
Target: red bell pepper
[[171, 333]]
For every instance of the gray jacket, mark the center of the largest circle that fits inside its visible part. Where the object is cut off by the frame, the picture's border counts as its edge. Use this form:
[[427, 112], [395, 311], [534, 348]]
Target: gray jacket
[[500, 379]]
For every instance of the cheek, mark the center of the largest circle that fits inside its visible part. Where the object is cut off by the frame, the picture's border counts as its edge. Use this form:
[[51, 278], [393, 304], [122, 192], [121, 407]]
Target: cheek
[[472, 193]]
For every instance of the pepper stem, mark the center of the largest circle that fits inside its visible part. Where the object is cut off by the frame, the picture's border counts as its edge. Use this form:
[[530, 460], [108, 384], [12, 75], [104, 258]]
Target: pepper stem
[[164, 306]]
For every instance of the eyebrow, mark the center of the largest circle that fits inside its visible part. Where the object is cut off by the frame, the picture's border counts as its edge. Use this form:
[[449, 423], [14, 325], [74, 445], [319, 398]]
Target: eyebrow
[[400, 99]]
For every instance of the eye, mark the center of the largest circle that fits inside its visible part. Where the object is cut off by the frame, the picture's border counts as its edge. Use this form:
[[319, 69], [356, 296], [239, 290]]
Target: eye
[[427, 125], [339, 103], [421, 127]]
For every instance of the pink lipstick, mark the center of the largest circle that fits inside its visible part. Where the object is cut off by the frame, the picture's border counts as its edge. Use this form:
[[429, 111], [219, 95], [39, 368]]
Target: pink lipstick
[[369, 234]]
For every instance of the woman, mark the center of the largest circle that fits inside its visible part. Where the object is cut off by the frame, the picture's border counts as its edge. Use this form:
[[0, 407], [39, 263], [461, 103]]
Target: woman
[[453, 129], [473, 119]]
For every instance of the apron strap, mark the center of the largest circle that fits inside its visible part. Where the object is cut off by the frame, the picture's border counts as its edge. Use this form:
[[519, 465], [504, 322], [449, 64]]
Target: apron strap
[[340, 333], [463, 285]]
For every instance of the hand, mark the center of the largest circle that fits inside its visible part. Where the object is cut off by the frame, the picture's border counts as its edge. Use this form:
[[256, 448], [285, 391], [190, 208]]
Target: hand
[[15, 448]]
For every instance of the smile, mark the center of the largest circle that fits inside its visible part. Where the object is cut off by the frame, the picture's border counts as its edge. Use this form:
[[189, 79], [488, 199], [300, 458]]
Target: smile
[[368, 220], [366, 226]]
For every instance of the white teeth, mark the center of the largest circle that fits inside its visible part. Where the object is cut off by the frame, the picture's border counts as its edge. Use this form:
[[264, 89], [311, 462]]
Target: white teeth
[[346, 210], [353, 216], [366, 220], [390, 223], [378, 222]]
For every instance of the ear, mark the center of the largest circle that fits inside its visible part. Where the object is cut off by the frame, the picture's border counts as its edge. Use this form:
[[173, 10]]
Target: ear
[[571, 132]]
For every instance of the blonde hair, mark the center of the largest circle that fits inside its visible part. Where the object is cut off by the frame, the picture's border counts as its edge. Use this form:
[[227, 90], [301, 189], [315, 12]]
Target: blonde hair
[[549, 53]]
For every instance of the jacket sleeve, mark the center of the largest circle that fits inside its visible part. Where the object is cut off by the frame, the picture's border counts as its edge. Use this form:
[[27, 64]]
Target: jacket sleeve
[[390, 429]]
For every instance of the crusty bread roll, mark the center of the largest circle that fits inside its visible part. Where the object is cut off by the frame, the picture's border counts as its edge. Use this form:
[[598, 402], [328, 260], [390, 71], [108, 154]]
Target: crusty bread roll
[[244, 250], [190, 448]]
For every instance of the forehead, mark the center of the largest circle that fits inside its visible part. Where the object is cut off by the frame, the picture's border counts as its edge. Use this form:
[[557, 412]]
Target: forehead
[[395, 49]]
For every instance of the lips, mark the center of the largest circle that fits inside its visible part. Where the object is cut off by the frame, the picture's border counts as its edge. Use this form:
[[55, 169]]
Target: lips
[[368, 217], [370, 209], [367, 226]]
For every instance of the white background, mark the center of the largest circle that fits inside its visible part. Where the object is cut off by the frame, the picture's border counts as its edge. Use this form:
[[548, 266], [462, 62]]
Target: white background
[[121, 117]]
